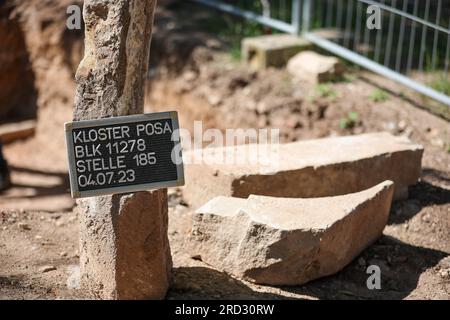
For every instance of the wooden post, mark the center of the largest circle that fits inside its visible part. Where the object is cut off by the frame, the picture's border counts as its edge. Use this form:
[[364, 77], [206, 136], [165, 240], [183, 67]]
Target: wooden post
[[124, 247]]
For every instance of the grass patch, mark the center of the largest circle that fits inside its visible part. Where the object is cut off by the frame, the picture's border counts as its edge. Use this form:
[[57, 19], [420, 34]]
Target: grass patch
[[441, 84], [349, 121], [325, 90], [349, 77], [235, 53], [378, 96]]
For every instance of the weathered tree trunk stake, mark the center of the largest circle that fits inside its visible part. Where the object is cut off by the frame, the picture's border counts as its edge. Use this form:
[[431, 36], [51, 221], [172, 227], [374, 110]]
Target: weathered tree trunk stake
[[124, 247]]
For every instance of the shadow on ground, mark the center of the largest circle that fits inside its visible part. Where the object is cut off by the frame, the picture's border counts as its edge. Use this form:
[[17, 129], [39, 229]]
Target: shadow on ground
[[13, 283], [37, 190], [208, 284], [60, 188], [401, 266], [424, 194]]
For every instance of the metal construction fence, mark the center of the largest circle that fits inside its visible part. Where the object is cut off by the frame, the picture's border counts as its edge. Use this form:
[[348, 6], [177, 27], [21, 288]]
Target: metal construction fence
[[410, 44]]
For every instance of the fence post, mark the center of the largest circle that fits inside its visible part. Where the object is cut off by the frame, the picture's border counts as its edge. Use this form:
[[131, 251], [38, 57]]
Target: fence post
[[296, 12], [306, 16]]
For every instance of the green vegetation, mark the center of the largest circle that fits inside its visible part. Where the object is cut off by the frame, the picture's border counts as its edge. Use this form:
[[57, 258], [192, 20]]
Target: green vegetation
[[441, 84], [349, 121], [349, 77], [325, 90], [235, 53], [379, 95]]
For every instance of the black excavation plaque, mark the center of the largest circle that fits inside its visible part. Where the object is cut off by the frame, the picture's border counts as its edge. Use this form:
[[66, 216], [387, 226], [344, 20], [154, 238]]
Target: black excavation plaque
[[124, 154]]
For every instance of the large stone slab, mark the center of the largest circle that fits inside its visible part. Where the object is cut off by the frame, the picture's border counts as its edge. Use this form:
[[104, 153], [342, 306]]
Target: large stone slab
[[272, 50], [283, 241], [304, 169]]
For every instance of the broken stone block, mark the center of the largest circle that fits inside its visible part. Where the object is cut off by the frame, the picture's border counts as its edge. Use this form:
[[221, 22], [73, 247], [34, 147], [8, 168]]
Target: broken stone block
[[305, 169], [283, 241], [124, 247], [272, 50], [311, 66]]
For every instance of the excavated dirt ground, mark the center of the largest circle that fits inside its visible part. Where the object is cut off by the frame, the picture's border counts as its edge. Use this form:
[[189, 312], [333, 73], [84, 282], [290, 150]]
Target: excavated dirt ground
[[38, 228]]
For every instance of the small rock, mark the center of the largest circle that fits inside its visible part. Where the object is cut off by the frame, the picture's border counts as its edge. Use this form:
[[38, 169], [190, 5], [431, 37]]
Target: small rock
[[445, 273], [310, 65], [408, 132], [189, 76], [24, 226], [45, 269], [214, 100], [438, 143], [11, 220], [426, 217], [63, 254], [402, 125]]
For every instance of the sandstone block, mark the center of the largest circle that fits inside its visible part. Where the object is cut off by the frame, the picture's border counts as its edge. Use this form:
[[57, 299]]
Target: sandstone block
[[124, 247], [272, 50], [282, 241], [305, 169], [309, 65]]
